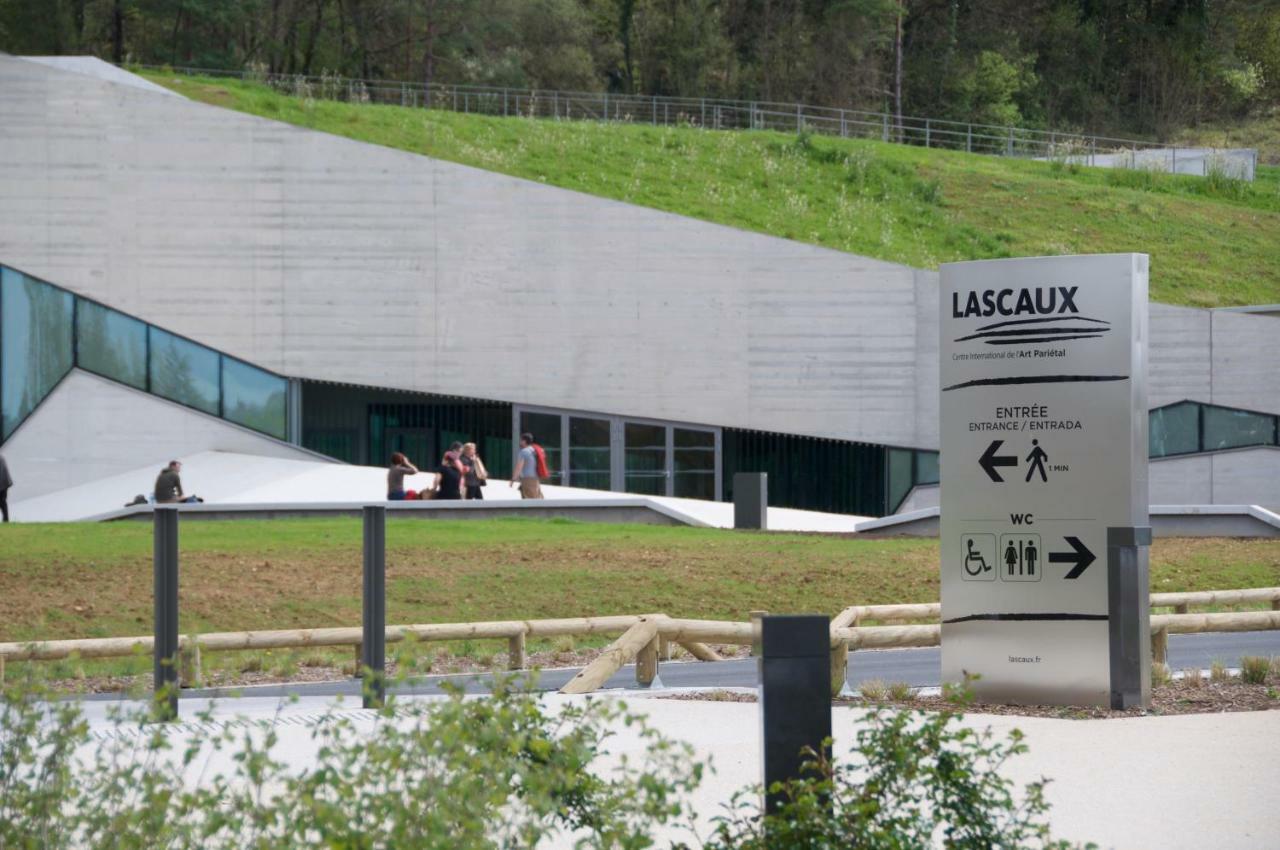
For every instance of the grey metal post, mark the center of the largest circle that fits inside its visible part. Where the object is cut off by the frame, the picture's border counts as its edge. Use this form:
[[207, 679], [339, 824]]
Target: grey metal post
[[795, 696], [751, 500], [926, 132], [1129, 623], [374, 604], [165, 655], [968, 140]]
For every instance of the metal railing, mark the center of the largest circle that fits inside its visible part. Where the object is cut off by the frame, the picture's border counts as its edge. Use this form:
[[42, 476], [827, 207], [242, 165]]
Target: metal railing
[[725, 114]]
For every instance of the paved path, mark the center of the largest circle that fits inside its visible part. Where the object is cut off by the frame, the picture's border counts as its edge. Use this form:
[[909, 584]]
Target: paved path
[[916, 667]]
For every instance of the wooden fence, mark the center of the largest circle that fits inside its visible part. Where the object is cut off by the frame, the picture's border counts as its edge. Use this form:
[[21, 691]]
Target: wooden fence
[[646, 639]]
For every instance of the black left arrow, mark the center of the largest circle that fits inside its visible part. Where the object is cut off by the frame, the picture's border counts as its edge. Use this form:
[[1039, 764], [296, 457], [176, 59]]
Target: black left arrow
[[990, 460], [1081, 557]]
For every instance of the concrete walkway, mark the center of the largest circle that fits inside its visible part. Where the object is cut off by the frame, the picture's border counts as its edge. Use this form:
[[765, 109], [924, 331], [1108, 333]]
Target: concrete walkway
[[1192, 781]]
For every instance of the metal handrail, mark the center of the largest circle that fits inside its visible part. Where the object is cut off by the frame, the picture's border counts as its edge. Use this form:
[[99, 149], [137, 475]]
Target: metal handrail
[[710, 112]]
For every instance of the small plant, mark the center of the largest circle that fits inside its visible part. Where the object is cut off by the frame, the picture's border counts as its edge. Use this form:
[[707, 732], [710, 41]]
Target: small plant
[[563, 645], [1218, 672], [900, 692], [252, 664], [874, 690], [1160, 674], [1193, 678], [1254, 669]]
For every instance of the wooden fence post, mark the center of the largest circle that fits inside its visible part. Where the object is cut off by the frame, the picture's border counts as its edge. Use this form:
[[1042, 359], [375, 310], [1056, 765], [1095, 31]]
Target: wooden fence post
[[620, 652], [515, 652], [647, 663], [755, 629], [1160, 646]]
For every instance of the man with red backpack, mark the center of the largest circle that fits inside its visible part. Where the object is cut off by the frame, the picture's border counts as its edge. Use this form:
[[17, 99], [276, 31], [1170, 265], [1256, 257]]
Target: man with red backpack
[[531, 467]]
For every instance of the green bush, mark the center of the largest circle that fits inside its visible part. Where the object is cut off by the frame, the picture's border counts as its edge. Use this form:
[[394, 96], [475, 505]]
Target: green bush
[[915, 780], [1254, 669], [453, 773]]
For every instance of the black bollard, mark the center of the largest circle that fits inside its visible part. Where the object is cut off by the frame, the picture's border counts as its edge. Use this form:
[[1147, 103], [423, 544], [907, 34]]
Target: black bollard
[[795, 696], [374, 603], [751, 500], [165, 654]]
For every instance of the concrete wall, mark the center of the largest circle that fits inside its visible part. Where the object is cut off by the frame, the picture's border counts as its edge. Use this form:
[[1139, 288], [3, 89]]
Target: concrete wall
[[330, 259], [91, 428], [326, 258], [1233, 477]]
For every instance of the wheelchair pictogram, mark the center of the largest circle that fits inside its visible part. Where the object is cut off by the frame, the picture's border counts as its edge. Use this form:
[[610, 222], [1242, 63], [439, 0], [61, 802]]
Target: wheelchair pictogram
[[979, 557]]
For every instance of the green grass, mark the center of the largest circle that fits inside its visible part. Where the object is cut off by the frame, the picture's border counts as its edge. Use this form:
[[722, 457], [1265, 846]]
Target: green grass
[[94, 580], [1213, 243]]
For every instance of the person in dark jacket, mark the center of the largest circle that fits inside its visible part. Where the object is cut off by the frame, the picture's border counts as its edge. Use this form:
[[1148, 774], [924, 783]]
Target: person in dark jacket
[[6, 481], [169, 486], [449, 479]]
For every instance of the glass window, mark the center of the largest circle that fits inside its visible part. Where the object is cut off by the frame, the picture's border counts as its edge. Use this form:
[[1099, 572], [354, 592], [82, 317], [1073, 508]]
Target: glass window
[[545, 428], [1174, 430], [254, 398], [926, 467], [589, 456], [1225, 428], [111, 344], [36, 336], [184, 371], [695, 463], [644, 459], [900, 477]]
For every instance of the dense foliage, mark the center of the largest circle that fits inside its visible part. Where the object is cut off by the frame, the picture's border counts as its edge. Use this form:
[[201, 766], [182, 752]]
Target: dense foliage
[[1136, 66], [460, 773]]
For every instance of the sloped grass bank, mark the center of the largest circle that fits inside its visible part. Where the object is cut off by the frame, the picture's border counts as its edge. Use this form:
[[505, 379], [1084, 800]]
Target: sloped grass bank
[[1213, 243]]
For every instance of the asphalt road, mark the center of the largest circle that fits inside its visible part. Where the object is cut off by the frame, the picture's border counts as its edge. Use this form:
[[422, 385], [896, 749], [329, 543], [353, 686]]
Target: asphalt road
[[916, 667]]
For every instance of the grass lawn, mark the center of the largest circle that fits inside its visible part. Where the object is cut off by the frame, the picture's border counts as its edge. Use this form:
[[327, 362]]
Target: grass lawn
[[91, 580], [1213, 243]]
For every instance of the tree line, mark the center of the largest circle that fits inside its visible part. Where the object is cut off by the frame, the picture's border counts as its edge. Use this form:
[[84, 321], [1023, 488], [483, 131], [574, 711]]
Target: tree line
[[1137, 66]]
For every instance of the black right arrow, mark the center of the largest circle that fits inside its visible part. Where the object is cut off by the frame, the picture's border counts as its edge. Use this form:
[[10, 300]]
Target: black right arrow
[[1081, 557], [990, 460]]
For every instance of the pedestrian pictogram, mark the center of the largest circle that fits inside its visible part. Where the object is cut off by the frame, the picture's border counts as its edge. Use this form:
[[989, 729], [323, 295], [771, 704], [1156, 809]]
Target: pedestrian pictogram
[[979, 561], [1020, 557], [1036, 460]]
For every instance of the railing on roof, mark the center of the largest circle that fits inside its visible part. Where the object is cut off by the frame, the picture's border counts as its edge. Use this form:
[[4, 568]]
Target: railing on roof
[[728, 114]]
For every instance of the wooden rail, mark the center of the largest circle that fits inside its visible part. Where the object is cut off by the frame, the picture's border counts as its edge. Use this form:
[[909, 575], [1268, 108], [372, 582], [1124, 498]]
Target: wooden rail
[[643, 636]]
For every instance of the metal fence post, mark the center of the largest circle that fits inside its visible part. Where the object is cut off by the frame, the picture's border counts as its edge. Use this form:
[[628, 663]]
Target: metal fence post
[[653, 110], [799, 119], [795, 697], [884, 129], [165, 648], [968, 139], [374, 604], [926, 132], [1010, 147], [703, 120], [606, 106], [844, 129]]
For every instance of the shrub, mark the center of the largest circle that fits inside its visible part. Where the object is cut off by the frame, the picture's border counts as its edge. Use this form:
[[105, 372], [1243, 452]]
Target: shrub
[[1193, 677], [1160, 674], [1218, 671], [915, 780], [1254, 669], [874, 690], [465, 773], [900, 692]]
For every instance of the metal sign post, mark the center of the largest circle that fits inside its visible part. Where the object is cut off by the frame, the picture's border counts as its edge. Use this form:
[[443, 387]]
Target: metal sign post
[[374, 607], [165, 647], [1044, 521]]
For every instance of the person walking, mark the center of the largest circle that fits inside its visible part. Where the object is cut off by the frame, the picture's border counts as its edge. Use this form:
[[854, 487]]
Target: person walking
[[169, 486], [477, 476], [400, 467], [530, 467], [6, 481]]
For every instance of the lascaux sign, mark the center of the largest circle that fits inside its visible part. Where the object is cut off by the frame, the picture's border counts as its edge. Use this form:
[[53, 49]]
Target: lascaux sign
[[1043, 438], [1037, 301]]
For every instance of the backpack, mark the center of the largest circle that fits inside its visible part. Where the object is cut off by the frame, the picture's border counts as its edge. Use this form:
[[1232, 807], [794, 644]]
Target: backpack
[[541, 455]]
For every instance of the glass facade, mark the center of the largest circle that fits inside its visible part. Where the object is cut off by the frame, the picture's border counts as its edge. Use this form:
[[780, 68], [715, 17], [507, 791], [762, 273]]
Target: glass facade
[[589, 453], [184, 371], [111, 344], [254, 398], [812, 473], [36, 344], [1188, 427], [645, 458], [45, 331], [695, 463]]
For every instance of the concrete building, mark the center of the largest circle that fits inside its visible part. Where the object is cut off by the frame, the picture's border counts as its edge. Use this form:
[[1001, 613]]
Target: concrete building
[[180, 278]]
